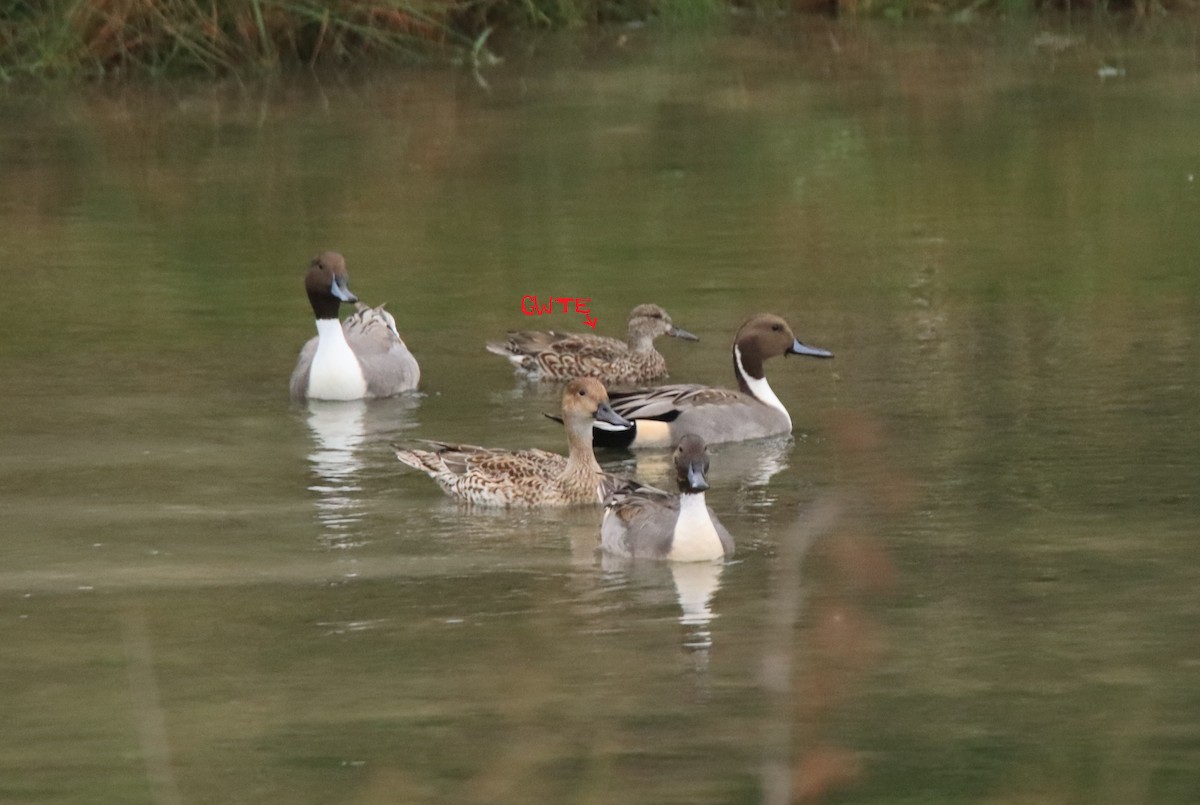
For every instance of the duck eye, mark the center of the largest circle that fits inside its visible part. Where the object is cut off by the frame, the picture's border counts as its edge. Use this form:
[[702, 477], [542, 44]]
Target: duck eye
[[583, 392], [776, 327]]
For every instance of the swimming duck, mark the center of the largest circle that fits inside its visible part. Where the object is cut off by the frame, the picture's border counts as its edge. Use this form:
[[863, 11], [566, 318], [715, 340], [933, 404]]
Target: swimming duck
[[662, 415], [363, 356], [528, 477], [646, 522], [563, 356]]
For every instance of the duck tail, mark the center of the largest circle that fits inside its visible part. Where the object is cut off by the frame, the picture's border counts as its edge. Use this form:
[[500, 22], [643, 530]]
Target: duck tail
[[614, 438], [422, 460]]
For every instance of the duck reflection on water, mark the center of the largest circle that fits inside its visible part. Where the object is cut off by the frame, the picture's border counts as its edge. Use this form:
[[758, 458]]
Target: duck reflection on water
[[692, 585], [343, 432]]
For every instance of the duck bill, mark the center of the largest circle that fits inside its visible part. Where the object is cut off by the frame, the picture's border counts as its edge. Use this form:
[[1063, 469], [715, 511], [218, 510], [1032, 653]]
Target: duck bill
[[341, 291], [695, 477], [798, 348], [607, 415], [679, 332]]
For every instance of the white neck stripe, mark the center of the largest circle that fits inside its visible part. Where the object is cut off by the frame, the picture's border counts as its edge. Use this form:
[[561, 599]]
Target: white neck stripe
[[760, 389]]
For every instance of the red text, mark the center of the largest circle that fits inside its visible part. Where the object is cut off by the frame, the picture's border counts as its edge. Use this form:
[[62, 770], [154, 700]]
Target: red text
[[530, 305]]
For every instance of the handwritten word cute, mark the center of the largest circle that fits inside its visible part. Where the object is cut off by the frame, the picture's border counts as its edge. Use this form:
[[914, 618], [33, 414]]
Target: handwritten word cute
[[530, 306]]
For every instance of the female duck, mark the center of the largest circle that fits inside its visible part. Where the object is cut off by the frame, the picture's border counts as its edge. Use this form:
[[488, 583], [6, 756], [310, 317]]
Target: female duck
[[647, 522], [362, 357], [662, 415], [528, 477], [563, 356]]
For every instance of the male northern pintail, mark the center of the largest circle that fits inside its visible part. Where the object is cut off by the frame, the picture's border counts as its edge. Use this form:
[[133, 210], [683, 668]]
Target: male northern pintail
[[662, 415], [563, 356], [364, 356], [528, 477], [647, 522]]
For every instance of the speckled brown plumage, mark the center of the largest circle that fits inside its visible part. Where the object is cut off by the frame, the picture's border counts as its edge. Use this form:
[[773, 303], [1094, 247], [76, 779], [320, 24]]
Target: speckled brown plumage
[[497, 477], [556, 356]]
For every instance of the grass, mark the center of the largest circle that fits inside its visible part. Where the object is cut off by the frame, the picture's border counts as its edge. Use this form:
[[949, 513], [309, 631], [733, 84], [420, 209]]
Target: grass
[[104, 38], [101, 39]]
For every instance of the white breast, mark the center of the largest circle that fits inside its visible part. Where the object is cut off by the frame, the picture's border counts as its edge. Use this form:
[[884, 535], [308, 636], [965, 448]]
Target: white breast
[[336, 373], [696, 538]]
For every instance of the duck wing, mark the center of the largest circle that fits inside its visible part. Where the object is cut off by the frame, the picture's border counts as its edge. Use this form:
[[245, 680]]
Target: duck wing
[[529, 342], [560, 356], [387, 365], [666, 403], [722, 533], [639, 520], [467, 459], [298, 386]]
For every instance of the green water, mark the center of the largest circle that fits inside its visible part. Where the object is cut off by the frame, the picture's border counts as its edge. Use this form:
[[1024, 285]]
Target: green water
[[209, 595]]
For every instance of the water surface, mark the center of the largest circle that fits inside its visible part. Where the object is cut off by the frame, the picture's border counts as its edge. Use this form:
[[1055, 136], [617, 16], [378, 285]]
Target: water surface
[[212, 595]]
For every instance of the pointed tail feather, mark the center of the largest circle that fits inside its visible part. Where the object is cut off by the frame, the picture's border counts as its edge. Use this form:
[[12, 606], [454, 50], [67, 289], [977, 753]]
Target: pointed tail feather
[[421, 460], [612, 437]]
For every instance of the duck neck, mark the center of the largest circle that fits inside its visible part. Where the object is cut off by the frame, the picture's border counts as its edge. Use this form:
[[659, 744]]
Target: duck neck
[[752, 380], [690, 501], [639, 342], [747, 367], [581, 459], [330, 332], [695, 537], [324, 305]]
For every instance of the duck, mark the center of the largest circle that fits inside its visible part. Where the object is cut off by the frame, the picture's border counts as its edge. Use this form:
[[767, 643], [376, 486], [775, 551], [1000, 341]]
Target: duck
[[555, 356], [663, 414], [641, 521], [528, 478], [360, 358]]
